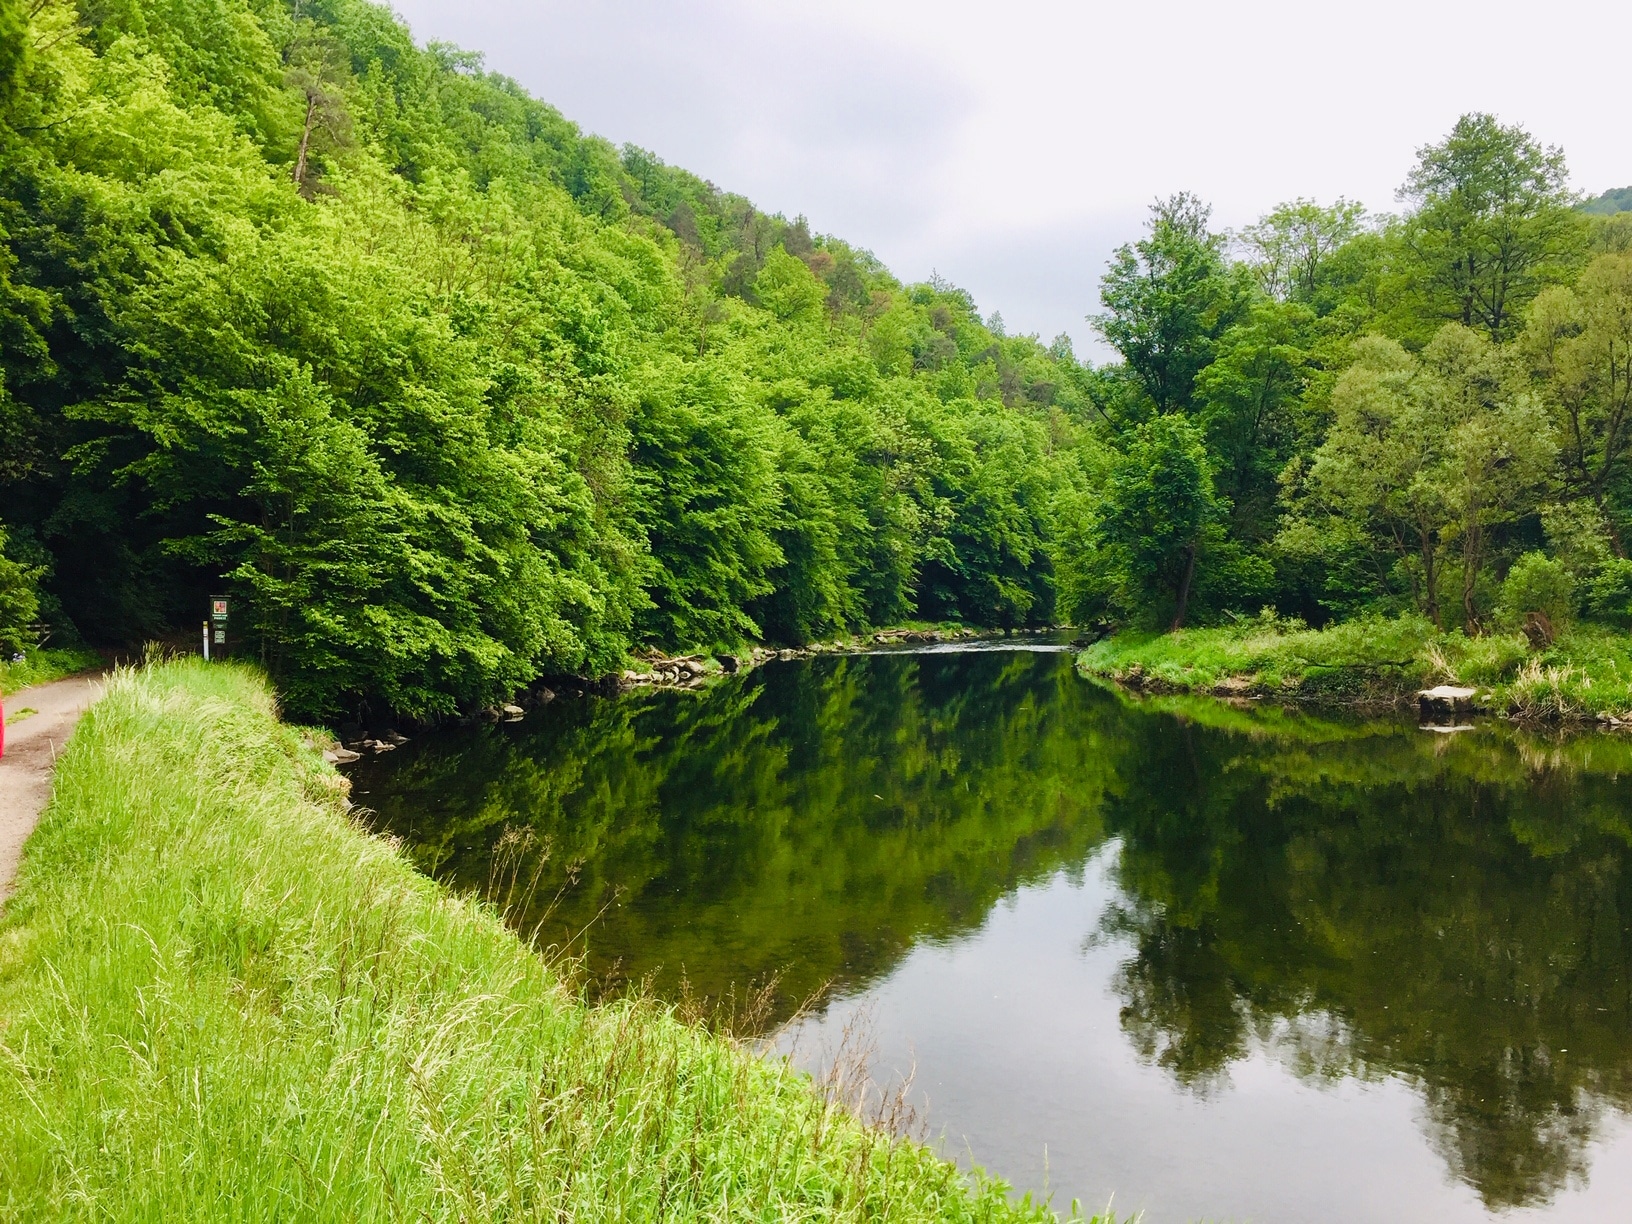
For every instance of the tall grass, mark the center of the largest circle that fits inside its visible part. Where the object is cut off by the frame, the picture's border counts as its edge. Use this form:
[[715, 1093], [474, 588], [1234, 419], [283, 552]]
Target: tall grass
[[219, 999]]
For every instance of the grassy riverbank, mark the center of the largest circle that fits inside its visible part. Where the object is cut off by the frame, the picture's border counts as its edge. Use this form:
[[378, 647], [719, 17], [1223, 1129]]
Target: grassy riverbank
[[1586, 674], [219, 999], [44, 666]]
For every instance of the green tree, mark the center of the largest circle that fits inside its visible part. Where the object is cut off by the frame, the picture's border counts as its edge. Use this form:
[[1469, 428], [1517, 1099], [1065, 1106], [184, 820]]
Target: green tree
[[1287, 248], [1159, 511], [13, 45], [990, 565], [317, 73], [707, 497], [1168, 299], [786, 287], [1491, 223], [19, 601], [1537, 585], [1423, 460], [1248, 404], [1578, 343]]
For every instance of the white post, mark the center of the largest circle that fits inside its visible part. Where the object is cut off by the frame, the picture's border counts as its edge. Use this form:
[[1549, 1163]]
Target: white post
[[206, 641]]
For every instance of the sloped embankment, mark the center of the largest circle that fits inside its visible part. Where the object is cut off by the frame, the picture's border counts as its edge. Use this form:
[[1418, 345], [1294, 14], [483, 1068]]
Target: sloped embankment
[[219, 998]]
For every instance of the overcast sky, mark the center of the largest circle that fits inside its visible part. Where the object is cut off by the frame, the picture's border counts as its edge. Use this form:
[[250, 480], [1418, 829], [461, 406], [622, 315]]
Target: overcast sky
[[1011, 146]]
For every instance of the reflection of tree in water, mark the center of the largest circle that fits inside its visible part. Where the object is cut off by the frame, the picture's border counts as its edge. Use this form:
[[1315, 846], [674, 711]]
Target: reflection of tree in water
[[811, 821], [1180, 1012], [1363, 900], [1387, 905]]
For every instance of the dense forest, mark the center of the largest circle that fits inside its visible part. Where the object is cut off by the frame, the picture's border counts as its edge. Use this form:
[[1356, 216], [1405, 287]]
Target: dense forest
[[447, 395]]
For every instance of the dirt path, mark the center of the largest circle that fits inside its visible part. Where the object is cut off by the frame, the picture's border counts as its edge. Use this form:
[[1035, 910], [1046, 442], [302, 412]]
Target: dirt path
[[32, 745]]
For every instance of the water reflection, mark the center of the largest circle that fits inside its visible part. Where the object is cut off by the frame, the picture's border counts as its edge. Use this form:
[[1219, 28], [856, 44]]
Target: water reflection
[[1386, 903], [811, 821], [1365, 902]]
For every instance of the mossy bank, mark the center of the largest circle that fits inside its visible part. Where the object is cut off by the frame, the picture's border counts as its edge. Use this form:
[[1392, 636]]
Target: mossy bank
[[221, 999], [1585, 676]]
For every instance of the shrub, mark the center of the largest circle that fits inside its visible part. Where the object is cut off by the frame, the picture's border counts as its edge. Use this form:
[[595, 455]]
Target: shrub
[[1538, 596], [1609, 596], [19, 602]]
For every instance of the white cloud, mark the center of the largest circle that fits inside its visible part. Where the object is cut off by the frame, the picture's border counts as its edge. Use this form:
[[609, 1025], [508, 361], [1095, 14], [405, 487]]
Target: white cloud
[[1011, 147]]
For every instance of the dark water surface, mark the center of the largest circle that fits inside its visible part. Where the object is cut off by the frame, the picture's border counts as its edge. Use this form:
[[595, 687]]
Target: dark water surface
[[1240, 964]]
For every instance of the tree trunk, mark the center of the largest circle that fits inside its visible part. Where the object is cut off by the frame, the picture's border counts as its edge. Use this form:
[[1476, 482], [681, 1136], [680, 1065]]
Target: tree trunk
[[1184, 589], [305, 140], [1472, 554], [1430, 584]]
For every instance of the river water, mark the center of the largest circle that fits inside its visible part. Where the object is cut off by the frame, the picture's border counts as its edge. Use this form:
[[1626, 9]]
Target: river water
[[1202, 960]]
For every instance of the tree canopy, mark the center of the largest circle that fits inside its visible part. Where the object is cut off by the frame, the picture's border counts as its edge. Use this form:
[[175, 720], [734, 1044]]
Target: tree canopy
[[448, 394], [1392, 410]]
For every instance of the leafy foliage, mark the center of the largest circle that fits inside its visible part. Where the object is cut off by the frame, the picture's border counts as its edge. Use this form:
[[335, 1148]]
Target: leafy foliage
[[447, 394], [1538, 584], [1159, 507], [19, 602], [1168, 298], [1492, 222], [1394, 409]]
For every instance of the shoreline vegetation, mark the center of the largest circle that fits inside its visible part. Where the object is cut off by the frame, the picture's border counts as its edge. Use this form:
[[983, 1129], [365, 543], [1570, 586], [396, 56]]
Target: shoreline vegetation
[[43, 666], [655, 669], [1585, 676], [220, 997], [447, 397]]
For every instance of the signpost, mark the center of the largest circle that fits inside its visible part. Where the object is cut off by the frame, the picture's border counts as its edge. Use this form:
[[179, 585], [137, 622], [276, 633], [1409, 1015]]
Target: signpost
[[215, 629]]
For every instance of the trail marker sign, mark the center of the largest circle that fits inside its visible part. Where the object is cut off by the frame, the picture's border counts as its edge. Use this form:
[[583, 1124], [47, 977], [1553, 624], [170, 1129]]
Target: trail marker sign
[[217, 635]]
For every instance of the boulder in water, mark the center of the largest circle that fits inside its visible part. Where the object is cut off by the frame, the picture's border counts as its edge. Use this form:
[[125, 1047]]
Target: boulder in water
[[1445, 700]]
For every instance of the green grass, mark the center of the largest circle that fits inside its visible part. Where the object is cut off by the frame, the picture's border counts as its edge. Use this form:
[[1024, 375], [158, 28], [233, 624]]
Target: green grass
[[43, 666], [1586, 674], [1264, 656], [221, 1000]]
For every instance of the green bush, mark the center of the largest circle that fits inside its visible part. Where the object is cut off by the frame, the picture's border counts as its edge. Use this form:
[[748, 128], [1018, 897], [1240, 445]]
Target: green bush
[[1609, 595], [1537, 583], [19, 603]]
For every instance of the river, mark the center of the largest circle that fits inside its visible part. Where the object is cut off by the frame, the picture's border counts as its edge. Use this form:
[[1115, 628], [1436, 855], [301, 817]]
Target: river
[[1233, 962]]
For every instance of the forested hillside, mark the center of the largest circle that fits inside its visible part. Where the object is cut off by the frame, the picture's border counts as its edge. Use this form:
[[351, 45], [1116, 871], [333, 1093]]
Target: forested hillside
[[448, 394]]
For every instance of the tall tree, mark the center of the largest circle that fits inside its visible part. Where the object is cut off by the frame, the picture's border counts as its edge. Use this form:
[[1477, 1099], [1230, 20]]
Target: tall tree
[[19, 601], [317, 70], [1168, 298], [1247, 403], [13, 45], [1287, 247], [1159, 510], [1579, 345], [1491, 224], [1423, 459], [1499, 448]]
